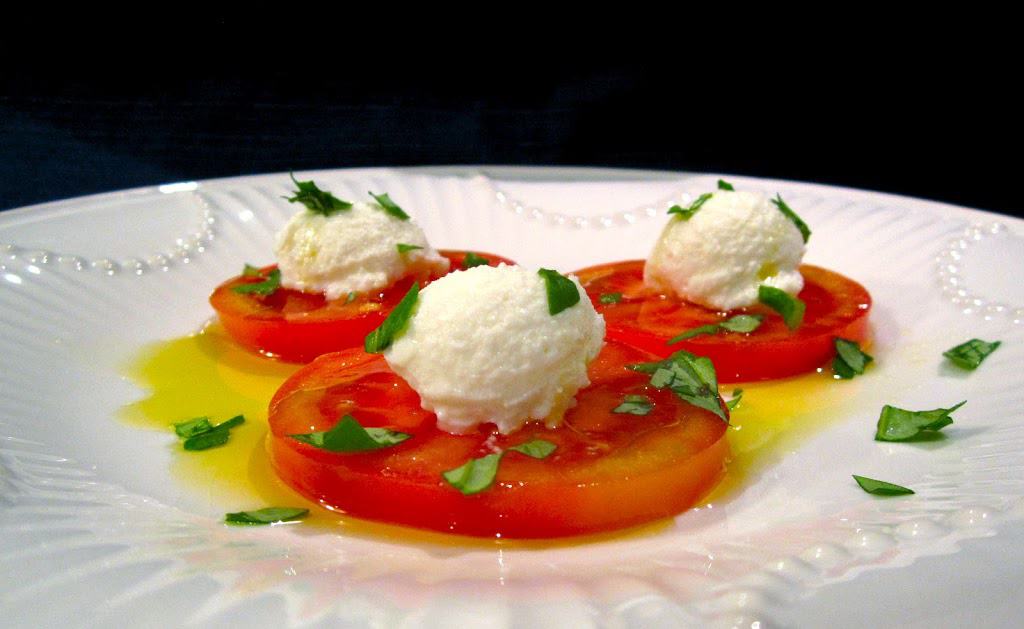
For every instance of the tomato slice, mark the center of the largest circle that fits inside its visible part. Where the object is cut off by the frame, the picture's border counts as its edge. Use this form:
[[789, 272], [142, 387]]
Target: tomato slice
[[297, 326], [836, 306], [609, 470]]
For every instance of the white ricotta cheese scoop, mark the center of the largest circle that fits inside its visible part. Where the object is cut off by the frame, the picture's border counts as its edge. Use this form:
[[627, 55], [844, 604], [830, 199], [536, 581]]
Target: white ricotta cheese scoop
[[482, 347], [352, 250], [719, 257]]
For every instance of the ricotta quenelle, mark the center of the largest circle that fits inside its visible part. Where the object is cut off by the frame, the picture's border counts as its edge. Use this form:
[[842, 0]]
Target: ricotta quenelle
[[735, 242], [352, 250], [483, 347]]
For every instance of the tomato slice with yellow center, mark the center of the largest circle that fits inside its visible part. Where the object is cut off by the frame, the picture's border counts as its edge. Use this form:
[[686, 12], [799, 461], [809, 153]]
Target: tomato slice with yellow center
[[836, 307], [297, 326], [608, 471]]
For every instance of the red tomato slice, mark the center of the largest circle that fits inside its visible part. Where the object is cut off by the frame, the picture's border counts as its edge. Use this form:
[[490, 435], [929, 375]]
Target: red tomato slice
[[297, 326], [836, 306], [609, 470]]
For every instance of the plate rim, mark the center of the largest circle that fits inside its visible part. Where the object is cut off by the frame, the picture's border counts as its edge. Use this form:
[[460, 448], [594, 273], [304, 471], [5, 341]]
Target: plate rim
[[531, 172]]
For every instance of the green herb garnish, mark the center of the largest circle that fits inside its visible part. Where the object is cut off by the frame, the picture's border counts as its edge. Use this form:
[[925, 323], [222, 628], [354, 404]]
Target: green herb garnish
[[193, 427], [734, 401], [200, 434], [404, 248], [348, 435], [724, 185], [267, 515], [688, 212], [316, 200], [476, 475], [710, 328], [610, 298], [742, 323], [351, 297], [393, 327], [880, 487], [471, 260], [537, 448], [562, 292], [850, 361], [634, 405], [390, 206], [970, 354], [206, 440], [251, 271], [690, 377], [267, 287], [897, 424], [805, 231], [791, 308]]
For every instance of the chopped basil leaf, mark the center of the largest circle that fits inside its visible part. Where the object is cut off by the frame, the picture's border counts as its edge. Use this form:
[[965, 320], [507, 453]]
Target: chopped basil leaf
[[207, 440], [265, 288], [348, 435], [850, 361], [687, 213], [316, 200], [634, 405], [562, 292], [393, 327], [743, 323], [251, 271], [661, 378], [237, 420], [970, 354], [880, 487], [351, 297], [737, 395], [897, 424], [404, 248], [724, 185], [805, 231], [711, 328], [610, 298], [390, 206], [193, 427], [474, 475], [841, 369], [471, 260], [791, 308], [200, 434], [690, 377], [268, 515], [537, 448]]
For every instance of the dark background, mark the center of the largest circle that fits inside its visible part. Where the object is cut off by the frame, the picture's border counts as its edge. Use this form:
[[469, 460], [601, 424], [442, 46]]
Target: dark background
[[130, 107]]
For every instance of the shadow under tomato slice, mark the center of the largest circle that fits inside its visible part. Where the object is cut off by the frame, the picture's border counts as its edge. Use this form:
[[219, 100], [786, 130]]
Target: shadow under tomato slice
[[608, 470], [298, 326], [836, 307]]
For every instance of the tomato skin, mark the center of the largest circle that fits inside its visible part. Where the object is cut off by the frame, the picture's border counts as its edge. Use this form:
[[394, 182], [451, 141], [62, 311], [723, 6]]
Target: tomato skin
[[609, 470], [296, 326], [836, 306]]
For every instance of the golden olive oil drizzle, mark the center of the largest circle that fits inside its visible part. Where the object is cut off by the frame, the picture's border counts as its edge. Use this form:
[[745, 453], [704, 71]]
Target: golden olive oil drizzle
[[774, 417], [206, 374]]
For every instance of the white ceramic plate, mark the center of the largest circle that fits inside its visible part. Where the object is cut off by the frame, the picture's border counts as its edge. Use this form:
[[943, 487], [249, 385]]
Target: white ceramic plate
[[95, 531]]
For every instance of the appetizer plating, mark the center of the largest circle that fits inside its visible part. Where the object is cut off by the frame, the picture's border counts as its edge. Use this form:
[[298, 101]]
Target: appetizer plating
[[725, 281]]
